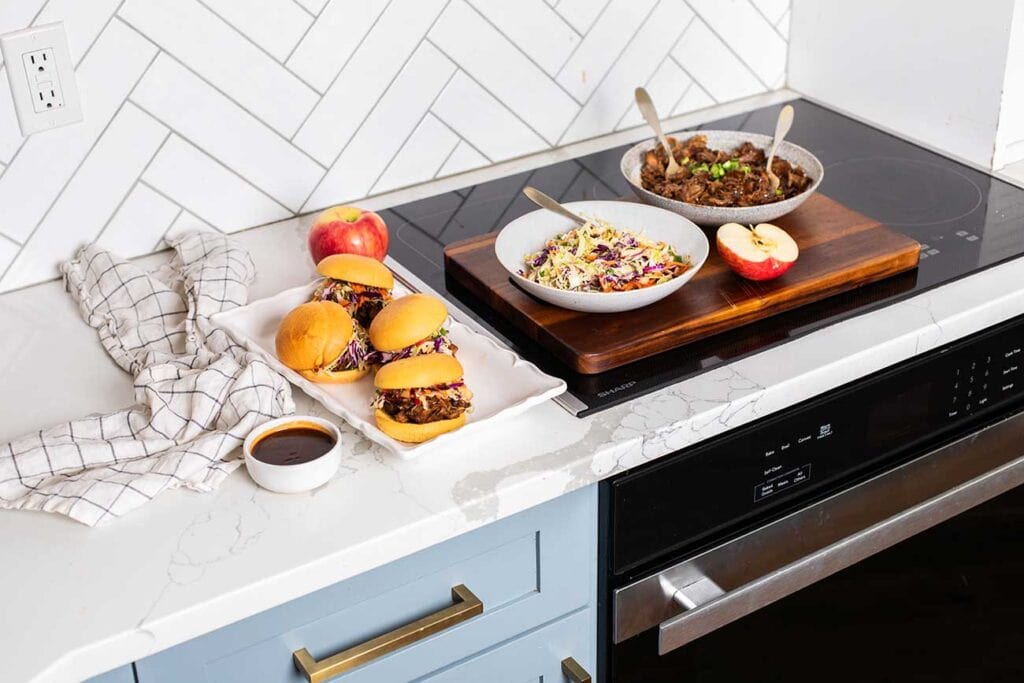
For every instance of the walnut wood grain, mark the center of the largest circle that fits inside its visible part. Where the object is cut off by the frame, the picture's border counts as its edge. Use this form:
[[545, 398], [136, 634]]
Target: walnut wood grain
[[840, 249]]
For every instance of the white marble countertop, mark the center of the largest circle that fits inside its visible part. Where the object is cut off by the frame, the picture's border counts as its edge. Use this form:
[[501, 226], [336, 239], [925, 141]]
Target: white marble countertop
[[79, 601]]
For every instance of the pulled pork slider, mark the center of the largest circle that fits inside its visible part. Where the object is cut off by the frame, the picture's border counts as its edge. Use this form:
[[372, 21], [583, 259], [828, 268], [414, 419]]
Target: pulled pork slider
[[421, 397], [359, 283], [321, 342], [411, 326]]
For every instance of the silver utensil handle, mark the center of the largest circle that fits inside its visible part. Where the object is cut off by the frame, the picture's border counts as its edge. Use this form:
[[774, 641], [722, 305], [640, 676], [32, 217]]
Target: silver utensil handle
[[546, 202], [726, 583]]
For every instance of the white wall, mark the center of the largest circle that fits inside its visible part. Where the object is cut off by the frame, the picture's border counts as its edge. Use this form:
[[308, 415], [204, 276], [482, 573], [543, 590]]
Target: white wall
[[1010, 135], [233, 113], [932, 70]]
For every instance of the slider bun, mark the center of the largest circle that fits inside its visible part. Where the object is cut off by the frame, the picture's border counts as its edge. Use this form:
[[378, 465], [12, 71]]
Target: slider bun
[[356, 268], [419, 371], [414, 433], [336, 377], [313, 335], [407, 320]]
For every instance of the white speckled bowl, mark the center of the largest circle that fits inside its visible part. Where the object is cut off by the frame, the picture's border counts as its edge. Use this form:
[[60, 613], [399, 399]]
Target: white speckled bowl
[[632, 162], [528, 234]]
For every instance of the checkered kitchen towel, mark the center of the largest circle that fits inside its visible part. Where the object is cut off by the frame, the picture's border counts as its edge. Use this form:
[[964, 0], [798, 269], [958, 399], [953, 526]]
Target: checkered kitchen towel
[[197, 393]]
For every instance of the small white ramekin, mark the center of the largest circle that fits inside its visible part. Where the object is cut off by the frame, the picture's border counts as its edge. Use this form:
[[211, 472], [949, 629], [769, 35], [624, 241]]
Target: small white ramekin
[[293, 478]]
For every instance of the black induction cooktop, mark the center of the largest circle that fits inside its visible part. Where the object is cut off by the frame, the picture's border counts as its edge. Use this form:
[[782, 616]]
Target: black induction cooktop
[[965, 220]]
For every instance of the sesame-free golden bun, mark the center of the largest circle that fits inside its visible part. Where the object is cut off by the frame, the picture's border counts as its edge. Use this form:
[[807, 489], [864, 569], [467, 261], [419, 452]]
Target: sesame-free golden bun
[[407, 320], [312, 336], [333, 376], [356, 268], [419, 371], [414, 433]]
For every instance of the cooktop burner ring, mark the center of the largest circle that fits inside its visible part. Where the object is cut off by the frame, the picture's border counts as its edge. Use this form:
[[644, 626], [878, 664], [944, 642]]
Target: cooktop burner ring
[[943, 193]]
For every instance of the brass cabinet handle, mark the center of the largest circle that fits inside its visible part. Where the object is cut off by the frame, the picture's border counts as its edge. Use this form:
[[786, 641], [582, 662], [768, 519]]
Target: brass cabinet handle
[[574, 672], [466, 605]]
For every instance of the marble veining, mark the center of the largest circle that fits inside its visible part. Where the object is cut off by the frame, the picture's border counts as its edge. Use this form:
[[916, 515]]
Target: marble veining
[[190, 563]]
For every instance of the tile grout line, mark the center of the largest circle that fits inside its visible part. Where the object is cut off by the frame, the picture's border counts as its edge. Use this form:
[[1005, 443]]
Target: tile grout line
[[597, 87], [256, 45], [18, 244], [521, 51], [308, 13], [686, 90], [299, 42], [338, 75], [145, 168], [735, 54], [496, 98], [215, 159], [769, 21], [647, 85], [785, 15], [568, 59], [462, 137], [239, 105], [174, 220], [103, 30], [582, 34], [78, 167], [185, 207], [444, 161], [426, 112], [170, 55], [695, 81], [377, 102]]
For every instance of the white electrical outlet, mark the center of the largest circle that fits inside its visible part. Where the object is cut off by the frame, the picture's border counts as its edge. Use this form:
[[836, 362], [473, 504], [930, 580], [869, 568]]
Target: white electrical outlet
[[44, 89]]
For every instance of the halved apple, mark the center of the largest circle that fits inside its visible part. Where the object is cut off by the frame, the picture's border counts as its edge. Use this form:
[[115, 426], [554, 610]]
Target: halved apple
[[763, 252]]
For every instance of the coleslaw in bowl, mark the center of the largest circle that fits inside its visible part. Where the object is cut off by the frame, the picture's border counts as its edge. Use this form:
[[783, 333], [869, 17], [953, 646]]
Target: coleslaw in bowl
[[627, 256]]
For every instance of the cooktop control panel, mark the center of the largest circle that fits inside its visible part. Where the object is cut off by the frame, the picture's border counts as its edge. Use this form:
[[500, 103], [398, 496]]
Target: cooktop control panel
[[808, 448]]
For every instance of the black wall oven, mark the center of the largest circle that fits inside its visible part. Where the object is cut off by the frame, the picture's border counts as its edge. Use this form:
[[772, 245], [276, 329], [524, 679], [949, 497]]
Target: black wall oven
[[875, 533]]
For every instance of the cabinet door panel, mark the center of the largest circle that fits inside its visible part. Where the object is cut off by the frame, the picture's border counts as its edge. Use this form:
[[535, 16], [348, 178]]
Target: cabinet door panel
[[533, 658], [527, 569]]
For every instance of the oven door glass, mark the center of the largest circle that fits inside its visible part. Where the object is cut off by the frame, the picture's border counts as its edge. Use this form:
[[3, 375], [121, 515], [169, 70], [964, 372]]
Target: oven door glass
[[915, 575], [946, 606]]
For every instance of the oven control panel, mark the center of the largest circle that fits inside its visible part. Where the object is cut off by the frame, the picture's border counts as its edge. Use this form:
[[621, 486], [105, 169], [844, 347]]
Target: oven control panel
[[685, 497], [984, 377]]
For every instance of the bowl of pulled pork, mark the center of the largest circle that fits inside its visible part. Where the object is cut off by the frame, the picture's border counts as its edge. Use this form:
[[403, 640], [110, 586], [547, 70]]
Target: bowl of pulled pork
[[723, 177]]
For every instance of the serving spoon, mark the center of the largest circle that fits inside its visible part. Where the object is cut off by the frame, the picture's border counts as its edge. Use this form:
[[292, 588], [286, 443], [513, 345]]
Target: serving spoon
[[546, 202], [646, 106], [782, 126]]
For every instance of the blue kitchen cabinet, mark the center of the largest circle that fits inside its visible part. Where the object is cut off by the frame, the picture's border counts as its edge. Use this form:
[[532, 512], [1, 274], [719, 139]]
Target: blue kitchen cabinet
[[121, 675], [529, 571], [535, 657]]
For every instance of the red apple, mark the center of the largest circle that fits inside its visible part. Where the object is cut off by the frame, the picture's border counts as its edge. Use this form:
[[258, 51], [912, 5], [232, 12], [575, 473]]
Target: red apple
[[763, 252], [348, 230]]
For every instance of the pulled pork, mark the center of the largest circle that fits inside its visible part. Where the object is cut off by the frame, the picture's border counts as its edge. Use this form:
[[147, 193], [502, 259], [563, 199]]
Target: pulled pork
[[423, 405], [362, 302], [717, 178]]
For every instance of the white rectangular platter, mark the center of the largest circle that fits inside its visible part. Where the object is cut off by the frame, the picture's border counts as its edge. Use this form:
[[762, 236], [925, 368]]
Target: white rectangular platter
[[503, 384]]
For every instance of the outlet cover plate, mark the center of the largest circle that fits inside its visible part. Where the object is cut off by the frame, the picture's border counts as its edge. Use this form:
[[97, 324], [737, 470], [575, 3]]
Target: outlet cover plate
[[44, 90]]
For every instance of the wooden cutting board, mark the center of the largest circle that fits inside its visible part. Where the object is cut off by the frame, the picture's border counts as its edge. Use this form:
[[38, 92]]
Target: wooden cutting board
[[840, 250]]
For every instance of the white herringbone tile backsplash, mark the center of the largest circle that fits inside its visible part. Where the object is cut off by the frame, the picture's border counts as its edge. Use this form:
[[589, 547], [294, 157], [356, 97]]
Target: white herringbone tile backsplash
[[234, 113]]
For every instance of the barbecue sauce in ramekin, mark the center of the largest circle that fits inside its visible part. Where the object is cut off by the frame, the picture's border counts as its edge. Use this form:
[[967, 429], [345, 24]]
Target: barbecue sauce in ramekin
[[293, 444]]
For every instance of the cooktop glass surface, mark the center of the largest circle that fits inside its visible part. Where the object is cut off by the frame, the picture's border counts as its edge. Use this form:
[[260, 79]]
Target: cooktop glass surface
[[965, 220]]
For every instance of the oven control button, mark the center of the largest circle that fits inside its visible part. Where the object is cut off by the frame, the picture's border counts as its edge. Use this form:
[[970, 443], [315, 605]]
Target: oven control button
[[782, 482]]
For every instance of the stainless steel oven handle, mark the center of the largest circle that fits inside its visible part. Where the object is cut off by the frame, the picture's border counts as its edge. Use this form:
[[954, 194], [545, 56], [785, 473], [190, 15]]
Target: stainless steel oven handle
[[730, 581]]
